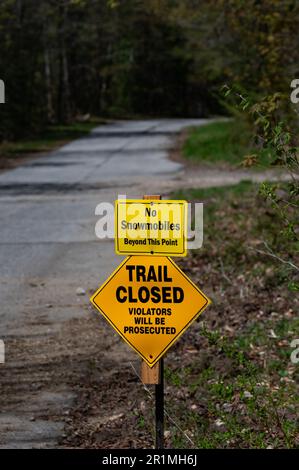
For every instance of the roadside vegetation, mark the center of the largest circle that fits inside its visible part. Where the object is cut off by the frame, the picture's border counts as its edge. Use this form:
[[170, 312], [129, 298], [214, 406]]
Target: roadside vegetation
[[230, 379], [236, 385], [223, 143], [53, 137], [242, 387]]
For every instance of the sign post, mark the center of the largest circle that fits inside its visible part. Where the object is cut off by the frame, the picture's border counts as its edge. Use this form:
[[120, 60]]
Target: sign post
[[151, 375], [148, 300], [157, 377], [159, 397]]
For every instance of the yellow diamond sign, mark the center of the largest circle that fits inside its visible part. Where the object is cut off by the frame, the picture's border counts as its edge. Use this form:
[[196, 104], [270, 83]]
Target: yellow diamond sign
[[150, 302]]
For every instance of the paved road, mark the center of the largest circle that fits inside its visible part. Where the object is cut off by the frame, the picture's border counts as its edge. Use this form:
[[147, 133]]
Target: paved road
[[48, 249]]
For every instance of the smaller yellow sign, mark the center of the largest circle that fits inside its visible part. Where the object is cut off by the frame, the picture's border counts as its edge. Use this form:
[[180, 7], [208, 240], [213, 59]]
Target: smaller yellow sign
[[151, 227], [150, 302]]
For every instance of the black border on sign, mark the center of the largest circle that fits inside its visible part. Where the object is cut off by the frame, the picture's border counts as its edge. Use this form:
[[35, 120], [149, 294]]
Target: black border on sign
[[148, 252], [150, 363]]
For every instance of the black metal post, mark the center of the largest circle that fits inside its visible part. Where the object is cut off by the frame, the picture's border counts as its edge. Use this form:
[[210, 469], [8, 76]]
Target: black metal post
[[159, 389]]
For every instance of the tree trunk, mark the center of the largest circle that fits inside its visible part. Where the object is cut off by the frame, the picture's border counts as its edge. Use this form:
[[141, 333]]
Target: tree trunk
[[63, 89], [50, 111]]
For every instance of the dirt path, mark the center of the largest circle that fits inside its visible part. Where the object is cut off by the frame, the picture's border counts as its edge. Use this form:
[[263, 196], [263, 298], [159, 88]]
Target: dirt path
[[203, 177]]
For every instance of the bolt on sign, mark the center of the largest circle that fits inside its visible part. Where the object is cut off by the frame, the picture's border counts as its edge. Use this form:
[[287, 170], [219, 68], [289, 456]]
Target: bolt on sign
[[150, 302], [151, 227]]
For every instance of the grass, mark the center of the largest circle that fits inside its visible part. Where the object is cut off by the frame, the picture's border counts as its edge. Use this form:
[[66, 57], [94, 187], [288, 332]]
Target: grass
[[221, 142], [53, 137], [251, 405], [239, 390]]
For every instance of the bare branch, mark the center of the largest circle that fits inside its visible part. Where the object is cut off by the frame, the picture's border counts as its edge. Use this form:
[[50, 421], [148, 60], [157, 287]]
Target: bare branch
[[223, 272], [269, 252]]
